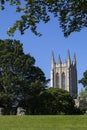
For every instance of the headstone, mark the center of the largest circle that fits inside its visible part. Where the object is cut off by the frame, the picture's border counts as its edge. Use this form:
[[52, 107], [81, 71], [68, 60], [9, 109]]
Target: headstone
[[1, 111], [21, 111]]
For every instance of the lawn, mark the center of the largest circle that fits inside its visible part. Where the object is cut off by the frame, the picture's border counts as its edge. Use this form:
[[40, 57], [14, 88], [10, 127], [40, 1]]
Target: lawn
[[43, 122]]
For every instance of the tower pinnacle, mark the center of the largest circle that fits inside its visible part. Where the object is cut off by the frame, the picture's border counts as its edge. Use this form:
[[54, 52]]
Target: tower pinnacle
[[74, 60], [53, 60], [68, 58], [68, 55], [59, 60]]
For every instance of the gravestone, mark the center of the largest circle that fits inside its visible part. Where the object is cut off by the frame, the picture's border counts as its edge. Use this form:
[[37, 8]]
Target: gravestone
[[1, 111], [21, 111]]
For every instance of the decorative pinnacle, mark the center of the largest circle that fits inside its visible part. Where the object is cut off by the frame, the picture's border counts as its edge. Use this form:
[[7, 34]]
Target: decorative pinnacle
[[53, 60], [68, 54], [59, 60], [74, 60]]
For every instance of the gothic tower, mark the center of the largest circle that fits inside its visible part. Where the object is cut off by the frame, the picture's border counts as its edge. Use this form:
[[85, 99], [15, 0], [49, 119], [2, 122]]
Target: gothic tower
[[64, 75]]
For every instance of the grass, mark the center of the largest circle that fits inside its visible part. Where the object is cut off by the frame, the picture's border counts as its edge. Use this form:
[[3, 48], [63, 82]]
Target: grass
[[43, 122]]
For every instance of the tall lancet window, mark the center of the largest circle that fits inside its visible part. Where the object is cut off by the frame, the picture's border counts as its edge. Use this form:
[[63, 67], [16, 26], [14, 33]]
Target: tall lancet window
[[57, 80], [63, 80]]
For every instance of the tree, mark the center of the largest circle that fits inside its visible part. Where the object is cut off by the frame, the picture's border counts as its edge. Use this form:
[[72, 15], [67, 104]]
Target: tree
[[71, 14], [83, 81], [30, 101], [17, 74], [83, 94], [63, 102], [55, 101]]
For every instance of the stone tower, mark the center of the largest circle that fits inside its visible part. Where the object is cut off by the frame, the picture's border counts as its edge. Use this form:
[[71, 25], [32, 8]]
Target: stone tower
[[64, 75]]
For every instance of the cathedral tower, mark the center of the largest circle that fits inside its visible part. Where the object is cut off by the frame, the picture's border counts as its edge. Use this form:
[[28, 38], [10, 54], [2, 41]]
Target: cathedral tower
[[64, 75]]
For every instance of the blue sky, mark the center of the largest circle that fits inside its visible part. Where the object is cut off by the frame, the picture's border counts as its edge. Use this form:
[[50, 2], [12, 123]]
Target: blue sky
[[52, 40]]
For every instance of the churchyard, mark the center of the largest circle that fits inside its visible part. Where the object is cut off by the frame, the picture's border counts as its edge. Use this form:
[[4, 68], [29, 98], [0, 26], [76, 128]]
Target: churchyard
[[51, 122]]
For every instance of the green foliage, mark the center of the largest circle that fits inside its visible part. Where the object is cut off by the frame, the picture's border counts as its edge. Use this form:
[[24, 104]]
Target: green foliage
[[83, 101], [83, 81], [18, 74], [71, 14], [63, 102], [54, 101], [83, 94], [31, 98]]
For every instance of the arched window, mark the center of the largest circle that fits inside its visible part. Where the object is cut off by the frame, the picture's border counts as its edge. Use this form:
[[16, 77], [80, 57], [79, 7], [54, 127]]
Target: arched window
[[57, 80], [63, 80]]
